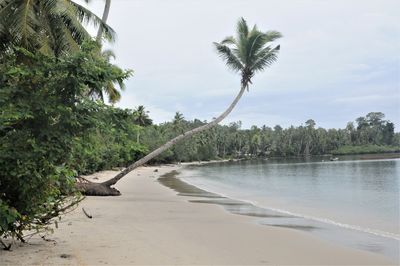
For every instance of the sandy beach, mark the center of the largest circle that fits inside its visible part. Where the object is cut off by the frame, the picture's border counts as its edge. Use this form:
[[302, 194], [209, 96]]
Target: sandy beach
[[150, 225]]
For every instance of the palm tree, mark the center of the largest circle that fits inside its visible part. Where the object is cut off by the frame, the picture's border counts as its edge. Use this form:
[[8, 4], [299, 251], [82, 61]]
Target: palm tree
[[50, 26], [54, 27], [178, 118], [113, 94], [104, 19], [247, 53], [141, 117], [177, 122]]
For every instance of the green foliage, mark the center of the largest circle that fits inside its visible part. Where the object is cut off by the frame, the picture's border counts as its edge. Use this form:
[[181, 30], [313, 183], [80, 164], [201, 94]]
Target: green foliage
[[141, 116], [50, 131], [230, 141], [53, 27], [111, 142], [249, 51], [365, 149]]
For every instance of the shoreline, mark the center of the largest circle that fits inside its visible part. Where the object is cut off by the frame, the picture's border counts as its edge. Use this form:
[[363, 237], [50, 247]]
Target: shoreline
[[322, 228], [150, 224]]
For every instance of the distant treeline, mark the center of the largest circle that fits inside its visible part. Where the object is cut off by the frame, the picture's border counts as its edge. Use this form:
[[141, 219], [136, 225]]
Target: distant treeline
[[369, 134]]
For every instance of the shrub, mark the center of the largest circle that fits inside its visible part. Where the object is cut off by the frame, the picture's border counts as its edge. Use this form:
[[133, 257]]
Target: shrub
[[44, 111]]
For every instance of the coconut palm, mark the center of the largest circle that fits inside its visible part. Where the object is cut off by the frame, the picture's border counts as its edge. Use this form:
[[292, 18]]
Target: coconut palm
[[49, 26], [110, 89], [178, 119], [247, 53], [141, 117], [104, 19]]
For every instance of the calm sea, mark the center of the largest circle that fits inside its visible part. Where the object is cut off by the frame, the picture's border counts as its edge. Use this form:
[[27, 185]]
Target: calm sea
[[353, 201]]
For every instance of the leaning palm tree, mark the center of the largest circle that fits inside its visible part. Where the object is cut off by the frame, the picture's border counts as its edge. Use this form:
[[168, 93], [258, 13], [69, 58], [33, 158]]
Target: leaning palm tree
[[50, 26], [247, 53]]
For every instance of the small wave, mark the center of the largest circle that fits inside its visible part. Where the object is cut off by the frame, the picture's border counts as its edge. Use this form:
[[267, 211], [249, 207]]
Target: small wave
[[304, 216], [329, 221]]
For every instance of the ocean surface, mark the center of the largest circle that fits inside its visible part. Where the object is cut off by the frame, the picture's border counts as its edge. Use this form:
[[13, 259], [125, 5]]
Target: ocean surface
[[353, 201]]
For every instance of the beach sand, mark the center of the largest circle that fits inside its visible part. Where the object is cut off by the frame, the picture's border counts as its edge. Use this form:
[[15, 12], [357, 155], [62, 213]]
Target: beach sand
[[150, 225]]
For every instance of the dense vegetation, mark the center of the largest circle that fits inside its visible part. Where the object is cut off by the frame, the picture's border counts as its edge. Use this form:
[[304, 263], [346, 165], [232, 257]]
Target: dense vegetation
[[51, 130], [371, 134], [54, 125]]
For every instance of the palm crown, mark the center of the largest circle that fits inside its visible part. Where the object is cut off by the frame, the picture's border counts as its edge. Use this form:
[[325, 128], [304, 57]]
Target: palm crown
[[249, 52], [50, 26]]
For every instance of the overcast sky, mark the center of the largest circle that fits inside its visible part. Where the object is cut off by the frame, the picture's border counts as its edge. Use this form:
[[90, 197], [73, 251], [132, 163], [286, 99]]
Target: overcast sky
[[339, 59]]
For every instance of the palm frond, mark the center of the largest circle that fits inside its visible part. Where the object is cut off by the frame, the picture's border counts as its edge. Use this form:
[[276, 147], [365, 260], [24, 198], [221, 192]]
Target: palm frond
[[46, 24], [113, 94], [256, 42], [242, 28], [272, 35], [249, 52], [86, 16], [5, 5], [265, 58], [229, 40], [232, 61], [23, 23]]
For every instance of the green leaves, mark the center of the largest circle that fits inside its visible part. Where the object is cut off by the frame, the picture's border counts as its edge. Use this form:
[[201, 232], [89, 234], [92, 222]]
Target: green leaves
[[232, 61], [8, 217], [53, 27], [44, 110], [249, 51]]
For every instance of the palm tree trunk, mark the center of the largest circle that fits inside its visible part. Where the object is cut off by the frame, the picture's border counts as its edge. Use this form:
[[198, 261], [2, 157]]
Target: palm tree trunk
[[104, 19], [102, 189]]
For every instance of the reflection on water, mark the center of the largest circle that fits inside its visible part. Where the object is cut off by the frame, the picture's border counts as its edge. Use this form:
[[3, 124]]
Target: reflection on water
[[357, 199]]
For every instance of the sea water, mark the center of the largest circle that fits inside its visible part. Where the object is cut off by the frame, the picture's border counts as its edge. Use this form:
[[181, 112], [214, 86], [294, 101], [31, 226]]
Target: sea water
[[353, 201]]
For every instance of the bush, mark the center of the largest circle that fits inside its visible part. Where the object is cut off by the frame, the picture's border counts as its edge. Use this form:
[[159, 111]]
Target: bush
[[44, 118]]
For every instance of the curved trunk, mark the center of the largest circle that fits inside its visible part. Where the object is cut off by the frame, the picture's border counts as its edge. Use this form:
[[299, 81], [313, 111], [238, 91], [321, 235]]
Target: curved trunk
[[104, 19], [173, 141], [87, 188]]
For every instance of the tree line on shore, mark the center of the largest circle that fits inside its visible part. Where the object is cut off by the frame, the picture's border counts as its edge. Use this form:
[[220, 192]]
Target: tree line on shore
[[370, 134]]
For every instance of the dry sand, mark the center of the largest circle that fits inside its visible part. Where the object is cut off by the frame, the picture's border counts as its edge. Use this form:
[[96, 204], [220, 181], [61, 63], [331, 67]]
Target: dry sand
[[149, 224]]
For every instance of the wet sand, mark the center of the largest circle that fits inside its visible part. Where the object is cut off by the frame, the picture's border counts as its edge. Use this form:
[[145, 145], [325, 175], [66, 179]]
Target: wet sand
[[150, 225]]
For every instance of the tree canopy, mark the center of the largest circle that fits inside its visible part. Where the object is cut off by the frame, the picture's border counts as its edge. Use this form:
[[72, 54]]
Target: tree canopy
[[52, 27], [249, 52]]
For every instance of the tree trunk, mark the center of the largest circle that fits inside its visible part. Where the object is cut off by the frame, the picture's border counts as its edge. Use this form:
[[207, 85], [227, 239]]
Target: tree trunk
[[104, 19], [105, 189]]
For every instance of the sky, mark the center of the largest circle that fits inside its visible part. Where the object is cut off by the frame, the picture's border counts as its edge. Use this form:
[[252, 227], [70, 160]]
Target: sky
[[339, 60]]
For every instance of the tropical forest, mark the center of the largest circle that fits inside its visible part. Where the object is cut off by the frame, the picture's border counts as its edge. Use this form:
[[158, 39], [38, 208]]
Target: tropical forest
[[59, 121]]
